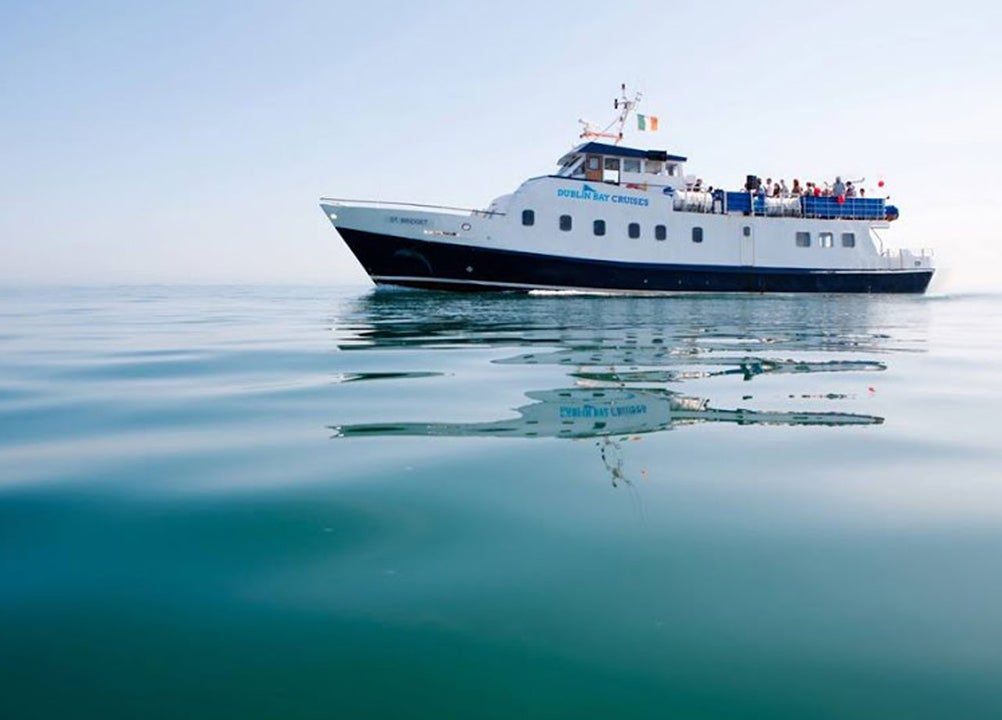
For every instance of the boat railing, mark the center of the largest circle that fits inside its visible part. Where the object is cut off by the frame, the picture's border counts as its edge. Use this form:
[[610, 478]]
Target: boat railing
[[807, 206], [392, 204], [904, 258]]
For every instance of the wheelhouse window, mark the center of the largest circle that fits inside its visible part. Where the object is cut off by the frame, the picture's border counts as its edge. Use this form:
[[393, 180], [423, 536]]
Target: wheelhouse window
[[528, 217], [826, 239], [565, 222], [654, 167], [697, 234], [571, 167], [633, 230], [599, 227], [803, 239], [611, 172], [631, 165], [849, 240], [660, 232]]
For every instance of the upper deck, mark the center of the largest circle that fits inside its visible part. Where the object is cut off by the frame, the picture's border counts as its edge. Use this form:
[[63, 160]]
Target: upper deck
[[660, 171]]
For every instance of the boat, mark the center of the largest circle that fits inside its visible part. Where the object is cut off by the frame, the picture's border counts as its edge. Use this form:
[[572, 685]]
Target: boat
[[618, 219]]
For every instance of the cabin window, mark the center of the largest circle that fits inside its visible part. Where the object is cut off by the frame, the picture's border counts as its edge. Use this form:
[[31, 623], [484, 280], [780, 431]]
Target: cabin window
[[611, 172], [660, 232], [633, 230], [565, 222], [848, 239], [654, 167], [697, 234], [599, 227], [528, 217], [826, 240], [746, 231], [631, 165], [671, 169], [803, 239], [594, 163]]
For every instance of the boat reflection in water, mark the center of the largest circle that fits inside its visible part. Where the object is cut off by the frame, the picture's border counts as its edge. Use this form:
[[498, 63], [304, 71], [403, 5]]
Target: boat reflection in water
[[582, 412], [623, 369], [613, 415]]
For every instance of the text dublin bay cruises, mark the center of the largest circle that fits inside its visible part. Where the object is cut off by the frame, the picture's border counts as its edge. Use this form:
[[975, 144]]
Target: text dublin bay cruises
[[620, 219]]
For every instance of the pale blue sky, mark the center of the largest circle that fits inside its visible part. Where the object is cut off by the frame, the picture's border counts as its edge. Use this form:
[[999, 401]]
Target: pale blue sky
[[190, 141]]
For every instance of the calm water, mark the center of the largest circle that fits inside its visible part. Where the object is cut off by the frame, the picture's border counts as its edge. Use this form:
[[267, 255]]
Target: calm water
[[260, 502]]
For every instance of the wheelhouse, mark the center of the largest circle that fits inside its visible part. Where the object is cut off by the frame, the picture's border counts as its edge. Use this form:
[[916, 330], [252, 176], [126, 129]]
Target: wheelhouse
[[599, 162]]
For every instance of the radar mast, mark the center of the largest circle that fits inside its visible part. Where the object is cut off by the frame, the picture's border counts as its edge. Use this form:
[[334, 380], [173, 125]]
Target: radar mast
[[625, 105]]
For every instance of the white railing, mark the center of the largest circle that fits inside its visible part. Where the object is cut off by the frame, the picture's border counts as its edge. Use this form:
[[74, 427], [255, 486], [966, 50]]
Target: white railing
[[390, 204]]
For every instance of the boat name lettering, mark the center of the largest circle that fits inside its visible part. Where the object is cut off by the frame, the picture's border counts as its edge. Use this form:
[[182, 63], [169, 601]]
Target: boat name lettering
[[594, 411], [590, 193], [407, 220]]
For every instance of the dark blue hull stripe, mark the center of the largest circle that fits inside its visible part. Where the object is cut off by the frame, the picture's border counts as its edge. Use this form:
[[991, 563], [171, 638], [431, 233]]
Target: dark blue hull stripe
[[443, 266]]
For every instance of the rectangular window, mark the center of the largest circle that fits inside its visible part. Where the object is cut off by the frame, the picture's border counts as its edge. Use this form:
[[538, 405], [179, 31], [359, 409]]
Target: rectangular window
[[654, 167], [803, 239], [746, 231], [528, 217], [611, 172], [565, 222], [848, 239], [826, 240], [594, 162], [660, 232], [633, 230], [631, 165], [697, 234], [599, 227]]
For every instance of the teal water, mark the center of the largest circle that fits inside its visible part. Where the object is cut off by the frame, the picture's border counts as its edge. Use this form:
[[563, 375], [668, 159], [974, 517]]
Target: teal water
[[317, 503]]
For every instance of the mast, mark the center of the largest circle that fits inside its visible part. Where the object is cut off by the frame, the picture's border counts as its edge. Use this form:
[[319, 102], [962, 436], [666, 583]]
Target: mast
[[625, 105]]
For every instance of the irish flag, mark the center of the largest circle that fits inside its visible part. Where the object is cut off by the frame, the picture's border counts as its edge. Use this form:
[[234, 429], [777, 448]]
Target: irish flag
[[647, 122]]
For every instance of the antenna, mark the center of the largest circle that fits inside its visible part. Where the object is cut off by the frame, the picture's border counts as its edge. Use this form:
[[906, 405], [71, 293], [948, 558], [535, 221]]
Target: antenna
[[625, 105]]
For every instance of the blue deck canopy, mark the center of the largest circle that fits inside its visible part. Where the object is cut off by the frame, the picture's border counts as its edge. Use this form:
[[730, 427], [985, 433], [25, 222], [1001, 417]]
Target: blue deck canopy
[[595, 148]]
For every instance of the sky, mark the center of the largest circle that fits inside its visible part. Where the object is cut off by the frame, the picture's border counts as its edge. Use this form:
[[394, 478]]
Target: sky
[[190, 141]]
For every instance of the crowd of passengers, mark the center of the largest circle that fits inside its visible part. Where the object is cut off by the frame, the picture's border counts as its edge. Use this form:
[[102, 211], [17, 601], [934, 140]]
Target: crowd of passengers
[[839, 189], [768, 188]]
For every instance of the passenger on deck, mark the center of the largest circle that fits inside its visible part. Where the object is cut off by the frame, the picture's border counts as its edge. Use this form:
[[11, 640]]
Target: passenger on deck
[[838, 189], [796, 190], [784, 192], [850, 190]]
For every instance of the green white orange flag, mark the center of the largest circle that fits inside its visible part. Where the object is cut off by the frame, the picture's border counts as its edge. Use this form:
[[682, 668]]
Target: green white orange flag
[[647, 122]]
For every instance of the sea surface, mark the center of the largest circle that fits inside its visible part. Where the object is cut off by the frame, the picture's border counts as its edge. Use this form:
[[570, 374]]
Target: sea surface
[[317, 502]]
